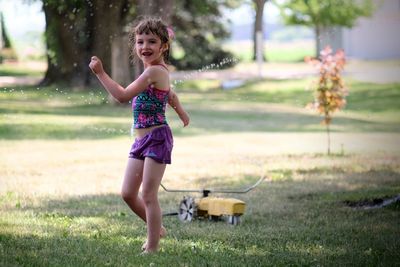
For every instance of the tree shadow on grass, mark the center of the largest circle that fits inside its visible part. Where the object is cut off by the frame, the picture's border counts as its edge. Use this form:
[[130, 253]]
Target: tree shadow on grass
[[232, 120], [103, 110], [202, 121], [224, 114], [377, 100], [59, 131]]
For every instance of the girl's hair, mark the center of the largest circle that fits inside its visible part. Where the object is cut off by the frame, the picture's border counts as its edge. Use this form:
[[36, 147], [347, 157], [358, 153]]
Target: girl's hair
[[152, 25]]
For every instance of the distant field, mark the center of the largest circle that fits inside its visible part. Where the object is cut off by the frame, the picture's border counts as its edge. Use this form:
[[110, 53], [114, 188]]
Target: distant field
[[274, 51], [30, 68]]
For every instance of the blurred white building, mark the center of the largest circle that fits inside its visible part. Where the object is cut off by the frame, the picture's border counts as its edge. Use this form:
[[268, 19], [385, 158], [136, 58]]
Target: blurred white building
[[375, 38]]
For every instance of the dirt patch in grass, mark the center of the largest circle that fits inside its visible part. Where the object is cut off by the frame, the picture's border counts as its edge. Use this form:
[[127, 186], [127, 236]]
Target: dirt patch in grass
[[374, 203]]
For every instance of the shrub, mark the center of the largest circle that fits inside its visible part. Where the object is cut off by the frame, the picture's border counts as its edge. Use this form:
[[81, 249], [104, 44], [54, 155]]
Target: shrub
[[330, 90]]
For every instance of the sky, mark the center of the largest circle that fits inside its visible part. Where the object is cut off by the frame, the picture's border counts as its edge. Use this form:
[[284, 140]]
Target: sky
[[21, 17], [245, 14]]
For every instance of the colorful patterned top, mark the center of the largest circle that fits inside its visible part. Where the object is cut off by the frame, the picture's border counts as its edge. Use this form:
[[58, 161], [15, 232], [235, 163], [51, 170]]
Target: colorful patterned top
[[148, 107]]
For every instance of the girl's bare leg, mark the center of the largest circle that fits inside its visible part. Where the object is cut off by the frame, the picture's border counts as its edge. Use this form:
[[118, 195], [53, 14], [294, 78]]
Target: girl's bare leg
[[131, 185], [130, 190], [152, 175]]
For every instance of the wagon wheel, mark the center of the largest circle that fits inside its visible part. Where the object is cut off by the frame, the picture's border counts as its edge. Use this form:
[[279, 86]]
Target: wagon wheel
[[234, 219], [187, 209]]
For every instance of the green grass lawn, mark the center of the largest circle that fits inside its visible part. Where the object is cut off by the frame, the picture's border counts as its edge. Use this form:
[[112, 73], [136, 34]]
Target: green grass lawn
[[299, 220], [63, 155]]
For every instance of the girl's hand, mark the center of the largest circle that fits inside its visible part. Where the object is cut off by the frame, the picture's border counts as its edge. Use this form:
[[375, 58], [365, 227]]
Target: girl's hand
[[184, 118], [95, 65]]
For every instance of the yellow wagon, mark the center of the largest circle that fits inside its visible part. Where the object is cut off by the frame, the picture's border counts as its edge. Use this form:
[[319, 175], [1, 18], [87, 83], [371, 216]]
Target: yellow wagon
[[213, 208]]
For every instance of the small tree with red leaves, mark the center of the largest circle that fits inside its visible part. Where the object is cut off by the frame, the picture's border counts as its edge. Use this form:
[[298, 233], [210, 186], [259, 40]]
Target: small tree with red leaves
[[330, 90]]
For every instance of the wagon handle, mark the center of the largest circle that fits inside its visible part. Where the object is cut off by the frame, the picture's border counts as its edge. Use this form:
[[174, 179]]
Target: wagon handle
[[243, 190], [180, 190], [207, 191]]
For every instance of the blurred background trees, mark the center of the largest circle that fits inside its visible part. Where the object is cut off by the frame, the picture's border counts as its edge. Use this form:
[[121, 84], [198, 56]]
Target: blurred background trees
[[78, 29], [199, 30], [323, 15], [6, 49]]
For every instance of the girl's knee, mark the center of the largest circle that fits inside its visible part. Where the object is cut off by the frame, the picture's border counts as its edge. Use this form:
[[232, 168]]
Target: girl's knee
[[149, 197], [127, 196]]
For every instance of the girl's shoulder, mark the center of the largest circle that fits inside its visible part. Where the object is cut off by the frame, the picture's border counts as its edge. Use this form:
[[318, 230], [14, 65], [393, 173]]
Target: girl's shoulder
[[158, 75], [157, 70], [163, 66], [159, 67]]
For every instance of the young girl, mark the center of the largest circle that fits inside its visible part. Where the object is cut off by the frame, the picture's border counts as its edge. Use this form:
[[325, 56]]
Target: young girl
[[152, 148]]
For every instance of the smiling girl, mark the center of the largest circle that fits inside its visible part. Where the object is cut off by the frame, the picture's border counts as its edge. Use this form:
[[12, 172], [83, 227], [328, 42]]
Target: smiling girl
[[152, 148]]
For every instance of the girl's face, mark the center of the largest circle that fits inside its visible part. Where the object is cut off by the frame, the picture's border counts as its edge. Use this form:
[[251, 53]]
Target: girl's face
[[149, 48]]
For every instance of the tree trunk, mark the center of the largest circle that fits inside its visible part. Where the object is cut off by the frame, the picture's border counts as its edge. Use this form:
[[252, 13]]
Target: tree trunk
[[121, 69], [258, 26], [63, 51], [71, 42], [107, 24], [328, 132]]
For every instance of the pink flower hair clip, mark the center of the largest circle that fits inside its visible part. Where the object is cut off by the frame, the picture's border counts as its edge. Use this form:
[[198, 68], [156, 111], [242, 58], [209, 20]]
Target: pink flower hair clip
[[171, 33]]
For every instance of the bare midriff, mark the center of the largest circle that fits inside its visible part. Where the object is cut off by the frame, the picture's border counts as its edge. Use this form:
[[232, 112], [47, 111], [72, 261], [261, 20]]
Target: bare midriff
[[141, 132]]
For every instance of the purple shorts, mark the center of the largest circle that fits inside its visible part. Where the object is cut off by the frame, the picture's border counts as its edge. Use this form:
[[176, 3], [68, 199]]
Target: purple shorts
[[157, 145]]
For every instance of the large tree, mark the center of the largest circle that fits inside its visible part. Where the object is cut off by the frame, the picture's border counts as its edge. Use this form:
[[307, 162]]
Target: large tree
[[76, 30], [323, 14]]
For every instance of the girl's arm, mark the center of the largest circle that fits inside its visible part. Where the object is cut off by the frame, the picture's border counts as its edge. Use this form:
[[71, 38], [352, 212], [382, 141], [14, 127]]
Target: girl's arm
[[120, 93], [174, 102]]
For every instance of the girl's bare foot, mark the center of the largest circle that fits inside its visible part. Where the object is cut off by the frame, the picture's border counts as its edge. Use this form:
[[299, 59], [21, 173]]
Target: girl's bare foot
[[163, 233], [147, 252]]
